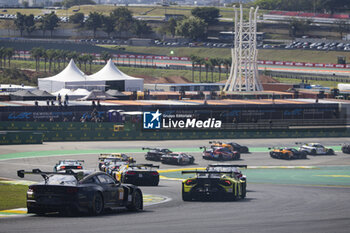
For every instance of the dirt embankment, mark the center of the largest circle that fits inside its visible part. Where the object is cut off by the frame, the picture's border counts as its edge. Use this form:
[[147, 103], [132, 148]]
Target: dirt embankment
[[171, 79]]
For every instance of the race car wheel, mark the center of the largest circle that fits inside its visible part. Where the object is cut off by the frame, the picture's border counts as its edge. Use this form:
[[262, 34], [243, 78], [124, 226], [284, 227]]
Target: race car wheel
[[155, 183], [235, 195], [313, 152], [330, 152], [191, 160], [97, 204], [244, 191], [185, 196], [137, 202], [303, 155]]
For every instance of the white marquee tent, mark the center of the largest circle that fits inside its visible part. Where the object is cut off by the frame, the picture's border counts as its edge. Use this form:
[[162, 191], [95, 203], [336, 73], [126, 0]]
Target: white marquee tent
[[71, 78], [109, 77], [115, 79]]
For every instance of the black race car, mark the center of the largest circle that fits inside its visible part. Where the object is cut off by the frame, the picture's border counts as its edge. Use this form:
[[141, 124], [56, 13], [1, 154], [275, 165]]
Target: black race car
[[155, 154], [79, 191], [177, 158], [138, 174], [230, 145], [240, 148], [345, 148]]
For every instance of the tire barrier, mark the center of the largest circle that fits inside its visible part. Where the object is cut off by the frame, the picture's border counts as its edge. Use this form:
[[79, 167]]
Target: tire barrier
[[34, 132], [20, 137]]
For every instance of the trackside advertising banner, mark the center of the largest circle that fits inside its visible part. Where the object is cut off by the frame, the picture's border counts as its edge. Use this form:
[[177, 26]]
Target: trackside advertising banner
[[156, 120]]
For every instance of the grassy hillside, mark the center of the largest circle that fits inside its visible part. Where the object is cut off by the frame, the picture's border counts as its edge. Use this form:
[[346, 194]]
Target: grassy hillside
[[297, 55], [226, 12]]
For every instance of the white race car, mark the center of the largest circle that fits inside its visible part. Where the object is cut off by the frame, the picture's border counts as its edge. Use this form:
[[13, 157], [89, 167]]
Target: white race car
[[63, 165], [316, 149]]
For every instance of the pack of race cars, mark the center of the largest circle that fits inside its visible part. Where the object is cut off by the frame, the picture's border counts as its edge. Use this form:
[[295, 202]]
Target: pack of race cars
[[302, 152], [71, 188]]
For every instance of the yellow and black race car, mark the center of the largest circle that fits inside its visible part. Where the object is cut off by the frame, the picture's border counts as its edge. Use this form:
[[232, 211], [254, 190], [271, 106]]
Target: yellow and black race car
[[287, 153], [137, 174], [213, 185], [120, 156]]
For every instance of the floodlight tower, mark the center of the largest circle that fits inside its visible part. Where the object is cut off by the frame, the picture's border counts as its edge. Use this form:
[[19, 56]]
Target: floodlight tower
[[244, 70]]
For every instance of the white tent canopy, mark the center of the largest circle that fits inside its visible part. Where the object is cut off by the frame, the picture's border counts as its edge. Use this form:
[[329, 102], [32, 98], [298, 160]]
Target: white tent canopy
[[63, 92], [110, 73], [73, 78], [82, 92], [70, 77]]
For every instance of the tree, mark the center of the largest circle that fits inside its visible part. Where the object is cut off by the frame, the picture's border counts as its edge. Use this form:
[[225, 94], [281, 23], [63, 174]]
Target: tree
[[200, 61], [106, 56], [77, 18], [219, 63], [20, 23], [2, 54], [206, 64], [192, 27], [140, 28], [227, 64], [210, 15], [194, 59], [84, 58], [49, 22], [51, 54], [212, 63], [36, 53], [333, 5], [342, 26], [172, 23], [91, 58], [25, 4], [298, 27], [70, 3], [108, 24], [29, 23], [9, 54], [123, 18], [44, 55], [94, 22]]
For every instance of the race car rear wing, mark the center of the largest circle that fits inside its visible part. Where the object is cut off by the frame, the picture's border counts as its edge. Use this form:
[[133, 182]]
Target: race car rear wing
[[144, 165], [215, 142], [227, 165], [71, 160], [205, 172], [77, 175], [108, 155]]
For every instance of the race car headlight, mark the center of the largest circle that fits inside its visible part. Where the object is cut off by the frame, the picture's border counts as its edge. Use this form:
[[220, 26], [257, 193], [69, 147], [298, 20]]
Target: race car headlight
[[226, 182], [190, 182], [30, 193]]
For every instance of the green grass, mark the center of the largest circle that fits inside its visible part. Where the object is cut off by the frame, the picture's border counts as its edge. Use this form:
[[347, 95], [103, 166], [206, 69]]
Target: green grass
[[312, 82], [226, 12], [12, 196], [132, 71], [297, 55]]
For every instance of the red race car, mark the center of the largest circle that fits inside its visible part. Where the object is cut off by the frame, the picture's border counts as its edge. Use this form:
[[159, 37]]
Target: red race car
[[220, 153]]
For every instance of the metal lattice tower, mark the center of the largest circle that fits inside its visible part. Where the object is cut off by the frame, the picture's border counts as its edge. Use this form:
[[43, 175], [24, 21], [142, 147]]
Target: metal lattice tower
[[244, 70]]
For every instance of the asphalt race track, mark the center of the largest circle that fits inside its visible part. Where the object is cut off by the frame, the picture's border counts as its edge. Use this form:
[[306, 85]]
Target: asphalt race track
[[269, 207]]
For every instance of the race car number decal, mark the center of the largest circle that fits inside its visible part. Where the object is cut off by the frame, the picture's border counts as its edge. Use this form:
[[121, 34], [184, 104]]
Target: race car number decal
[[121, 194]]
